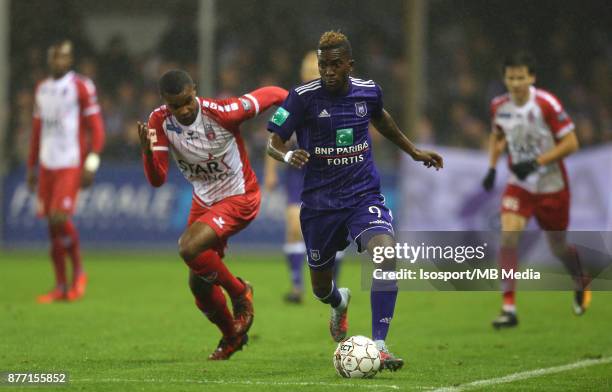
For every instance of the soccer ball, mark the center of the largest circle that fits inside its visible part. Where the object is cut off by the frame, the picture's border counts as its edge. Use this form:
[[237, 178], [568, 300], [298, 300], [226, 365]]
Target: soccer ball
[[357, 357]]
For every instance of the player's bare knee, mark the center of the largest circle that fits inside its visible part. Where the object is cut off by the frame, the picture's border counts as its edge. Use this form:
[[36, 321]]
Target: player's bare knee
[[510, 239], [187, 248], [377, 245], [57, 218]]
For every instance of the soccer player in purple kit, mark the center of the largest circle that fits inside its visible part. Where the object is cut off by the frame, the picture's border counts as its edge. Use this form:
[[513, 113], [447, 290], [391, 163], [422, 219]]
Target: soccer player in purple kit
[[295, 250], [341, 196]]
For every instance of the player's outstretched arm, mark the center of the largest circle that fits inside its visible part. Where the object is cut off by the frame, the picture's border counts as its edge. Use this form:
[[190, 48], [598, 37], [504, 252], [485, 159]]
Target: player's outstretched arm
[[497, 145], [31, 178], [155, 162], [389, 129], [279, 151], [268, 96]]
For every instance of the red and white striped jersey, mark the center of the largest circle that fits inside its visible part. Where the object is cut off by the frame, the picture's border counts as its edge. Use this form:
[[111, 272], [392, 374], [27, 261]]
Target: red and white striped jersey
[[530, 130], [210, 152], [63, 109]]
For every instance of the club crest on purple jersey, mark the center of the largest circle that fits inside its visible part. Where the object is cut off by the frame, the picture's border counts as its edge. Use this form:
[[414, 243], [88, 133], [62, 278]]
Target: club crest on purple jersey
[[361, 109], [314, 254]]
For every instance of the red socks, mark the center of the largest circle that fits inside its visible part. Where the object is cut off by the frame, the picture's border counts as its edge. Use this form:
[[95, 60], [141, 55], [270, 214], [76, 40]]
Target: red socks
[[508, 261], [71, 241], [215, 308], [65, 239], [211, 268], [58, 257]]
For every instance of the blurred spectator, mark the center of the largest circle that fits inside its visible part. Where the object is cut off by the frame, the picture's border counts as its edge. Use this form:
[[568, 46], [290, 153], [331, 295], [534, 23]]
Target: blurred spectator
[[262, 43], [179, 41], [115, 65]]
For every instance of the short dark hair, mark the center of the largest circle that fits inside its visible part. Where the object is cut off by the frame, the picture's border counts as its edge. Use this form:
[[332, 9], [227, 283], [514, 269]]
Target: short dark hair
[[174, 82], [335, 40], [520, 59]]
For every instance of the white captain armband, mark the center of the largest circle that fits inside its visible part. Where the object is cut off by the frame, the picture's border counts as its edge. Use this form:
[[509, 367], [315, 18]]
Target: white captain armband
[[288, 156], [92, 162]]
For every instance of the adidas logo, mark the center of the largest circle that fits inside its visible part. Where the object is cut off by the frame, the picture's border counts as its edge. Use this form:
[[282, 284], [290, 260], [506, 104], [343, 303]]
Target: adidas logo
[[324, 114], [386, 320]]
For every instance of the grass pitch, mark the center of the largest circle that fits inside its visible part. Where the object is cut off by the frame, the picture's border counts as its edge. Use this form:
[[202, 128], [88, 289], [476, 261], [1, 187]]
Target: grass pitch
[[138, 330]]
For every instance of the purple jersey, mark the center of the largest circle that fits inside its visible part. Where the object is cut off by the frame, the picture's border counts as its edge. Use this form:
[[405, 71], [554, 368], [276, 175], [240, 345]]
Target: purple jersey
[[334, 130]]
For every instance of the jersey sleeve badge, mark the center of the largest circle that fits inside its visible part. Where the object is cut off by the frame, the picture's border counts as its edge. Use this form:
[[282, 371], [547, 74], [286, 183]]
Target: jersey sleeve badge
[[280, 116]]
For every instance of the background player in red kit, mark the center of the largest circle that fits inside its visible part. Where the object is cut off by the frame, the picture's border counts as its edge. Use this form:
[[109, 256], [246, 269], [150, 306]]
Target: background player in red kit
[[67, 158], [203, 136], [537, 133]]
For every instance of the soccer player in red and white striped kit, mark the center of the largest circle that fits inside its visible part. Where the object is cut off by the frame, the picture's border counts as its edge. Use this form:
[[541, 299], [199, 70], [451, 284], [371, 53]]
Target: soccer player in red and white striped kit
[[203, 136], [531, 124], [66, 109]]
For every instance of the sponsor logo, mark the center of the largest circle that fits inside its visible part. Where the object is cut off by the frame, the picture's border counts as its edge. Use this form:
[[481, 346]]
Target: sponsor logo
[[324, 113], [219, 221], [172, 127], [562, 116], [344, 137], [504, 115], [280, 116], [314, 254], [361, 109], [222, 108], [246, 104], [192, 135], [385, 320], [510, 203], [208, 171], [343, 155], [379, 222]]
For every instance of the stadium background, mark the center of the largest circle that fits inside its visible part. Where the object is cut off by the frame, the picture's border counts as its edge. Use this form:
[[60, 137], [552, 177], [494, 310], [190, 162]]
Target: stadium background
[[440, 94]]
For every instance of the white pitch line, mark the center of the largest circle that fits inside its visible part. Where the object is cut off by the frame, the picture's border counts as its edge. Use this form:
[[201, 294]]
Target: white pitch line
[[525, 375], [234, 382]]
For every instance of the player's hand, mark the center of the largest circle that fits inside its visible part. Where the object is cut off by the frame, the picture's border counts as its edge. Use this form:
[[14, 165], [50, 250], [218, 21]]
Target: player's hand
[[523, 169], [31, 180], [489, 180], [87, 178], [299, 158], [146, 138], [429, 159]]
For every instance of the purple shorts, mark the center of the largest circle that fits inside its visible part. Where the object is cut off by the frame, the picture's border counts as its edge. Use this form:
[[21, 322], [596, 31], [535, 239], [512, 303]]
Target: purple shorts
[[294, 183], [328, 231]]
